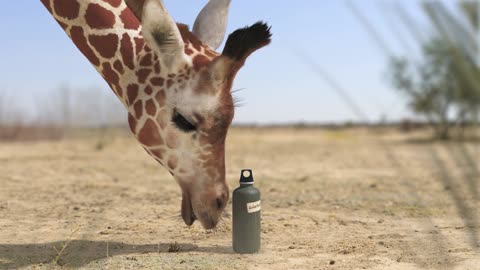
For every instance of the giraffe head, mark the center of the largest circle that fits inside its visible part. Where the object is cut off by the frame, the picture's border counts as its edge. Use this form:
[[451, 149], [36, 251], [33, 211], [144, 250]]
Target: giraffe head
[[176, 88], [182, 116]]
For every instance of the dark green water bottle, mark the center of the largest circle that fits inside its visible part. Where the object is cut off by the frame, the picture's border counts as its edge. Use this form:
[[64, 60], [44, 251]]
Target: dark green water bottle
[[246, 215]]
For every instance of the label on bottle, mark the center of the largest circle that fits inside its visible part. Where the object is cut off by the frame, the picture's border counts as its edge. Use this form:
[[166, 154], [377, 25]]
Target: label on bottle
[[253, 207]]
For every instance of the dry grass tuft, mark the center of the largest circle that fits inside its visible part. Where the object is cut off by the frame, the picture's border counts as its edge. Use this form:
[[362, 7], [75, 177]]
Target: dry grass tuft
[[174, 247], [56, 260]]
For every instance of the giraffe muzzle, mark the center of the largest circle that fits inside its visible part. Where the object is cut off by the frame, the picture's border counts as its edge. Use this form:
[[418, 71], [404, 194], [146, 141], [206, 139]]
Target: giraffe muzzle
[[187, 209]]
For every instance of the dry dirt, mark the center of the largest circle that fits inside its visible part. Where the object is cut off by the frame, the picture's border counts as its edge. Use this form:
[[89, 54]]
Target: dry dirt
[[331, 199]]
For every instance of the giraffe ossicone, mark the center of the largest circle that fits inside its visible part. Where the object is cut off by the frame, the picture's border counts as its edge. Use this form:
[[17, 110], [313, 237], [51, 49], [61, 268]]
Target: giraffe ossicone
[[175, 87]]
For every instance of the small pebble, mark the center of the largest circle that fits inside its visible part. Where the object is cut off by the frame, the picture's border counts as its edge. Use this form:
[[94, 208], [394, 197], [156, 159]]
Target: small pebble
[[332, 262]]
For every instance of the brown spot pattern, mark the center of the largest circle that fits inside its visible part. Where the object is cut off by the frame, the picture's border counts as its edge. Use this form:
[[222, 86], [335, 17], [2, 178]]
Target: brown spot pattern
[[150, 107], [126, 50], [146, 60], [106, 46], [142, 74], [46, 3], [138, 108], [76, 33], [132, 93], [114, 3], [157, 67], [149, 134], [200, 61], [188, 51], [120, 92], [98, 17], [148, 90], [132, 122], [66, 8], [63, 25], [110, 75], [118, 66], [188, 37], [129, 20], [157, 81], [139, 44]]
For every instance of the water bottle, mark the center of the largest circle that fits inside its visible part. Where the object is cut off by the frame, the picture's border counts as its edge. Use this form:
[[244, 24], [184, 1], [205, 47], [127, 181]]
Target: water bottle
[[246, 215]]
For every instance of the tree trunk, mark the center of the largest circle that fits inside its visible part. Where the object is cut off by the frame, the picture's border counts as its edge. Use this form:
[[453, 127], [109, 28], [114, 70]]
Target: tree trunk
[[444, 128], [444, 131]]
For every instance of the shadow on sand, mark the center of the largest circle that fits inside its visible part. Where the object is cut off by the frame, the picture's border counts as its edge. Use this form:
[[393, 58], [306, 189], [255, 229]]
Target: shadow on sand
[[81, 252]]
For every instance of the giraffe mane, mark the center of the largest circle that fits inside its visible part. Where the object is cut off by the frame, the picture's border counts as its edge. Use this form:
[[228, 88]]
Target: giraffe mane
[[190, 38]]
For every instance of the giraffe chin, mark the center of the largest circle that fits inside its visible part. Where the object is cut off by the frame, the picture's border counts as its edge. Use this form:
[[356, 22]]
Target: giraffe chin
[[187, 209]]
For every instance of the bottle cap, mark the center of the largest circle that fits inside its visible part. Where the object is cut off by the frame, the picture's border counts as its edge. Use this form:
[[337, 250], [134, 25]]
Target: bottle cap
[[246, 177]]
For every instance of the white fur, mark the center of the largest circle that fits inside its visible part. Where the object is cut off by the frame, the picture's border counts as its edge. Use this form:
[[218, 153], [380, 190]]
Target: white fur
[[155, 18], [211, 24]]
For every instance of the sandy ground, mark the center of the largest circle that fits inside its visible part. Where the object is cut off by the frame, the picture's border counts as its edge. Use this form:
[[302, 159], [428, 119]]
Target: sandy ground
[[347, 199]]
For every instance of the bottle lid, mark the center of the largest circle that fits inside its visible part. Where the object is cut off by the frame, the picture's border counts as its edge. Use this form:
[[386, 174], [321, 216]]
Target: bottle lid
[[246, 177]]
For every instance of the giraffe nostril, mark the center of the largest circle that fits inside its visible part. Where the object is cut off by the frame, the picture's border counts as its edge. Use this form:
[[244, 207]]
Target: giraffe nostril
[[219, 203]]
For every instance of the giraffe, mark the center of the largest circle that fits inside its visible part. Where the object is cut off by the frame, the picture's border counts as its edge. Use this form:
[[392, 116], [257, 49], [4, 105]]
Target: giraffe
[[174, 85]]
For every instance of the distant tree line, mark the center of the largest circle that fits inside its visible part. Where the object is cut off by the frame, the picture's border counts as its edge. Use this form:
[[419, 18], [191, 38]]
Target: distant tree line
[[51, 115], [444, 85]]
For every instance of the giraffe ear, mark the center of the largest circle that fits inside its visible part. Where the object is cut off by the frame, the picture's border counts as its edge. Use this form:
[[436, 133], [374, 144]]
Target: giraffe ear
[[211, 24], [161, 33], [240, 44]]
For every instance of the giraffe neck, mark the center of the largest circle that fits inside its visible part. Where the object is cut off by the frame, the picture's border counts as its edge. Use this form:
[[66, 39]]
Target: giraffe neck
[[108, 33], [109, 36]]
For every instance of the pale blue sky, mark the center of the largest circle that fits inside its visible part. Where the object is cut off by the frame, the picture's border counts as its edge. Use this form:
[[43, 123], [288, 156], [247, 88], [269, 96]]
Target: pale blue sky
[[36, 56]]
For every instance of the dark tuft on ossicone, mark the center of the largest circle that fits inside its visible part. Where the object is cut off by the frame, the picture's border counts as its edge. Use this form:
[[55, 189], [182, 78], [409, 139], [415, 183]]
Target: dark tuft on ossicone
[[244, 41]]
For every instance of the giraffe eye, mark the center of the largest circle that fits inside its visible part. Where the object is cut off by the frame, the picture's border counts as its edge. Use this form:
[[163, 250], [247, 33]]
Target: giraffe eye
[[182, 123]]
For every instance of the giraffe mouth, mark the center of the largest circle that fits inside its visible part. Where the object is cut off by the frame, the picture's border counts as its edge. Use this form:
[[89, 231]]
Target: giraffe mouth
[[187, 209]]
